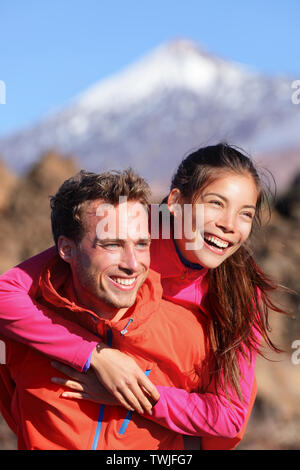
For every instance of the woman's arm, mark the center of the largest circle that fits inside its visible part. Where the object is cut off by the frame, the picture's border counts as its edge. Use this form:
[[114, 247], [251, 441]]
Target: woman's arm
[[218, 419], [208, 415], [24, 320], [211, 443]]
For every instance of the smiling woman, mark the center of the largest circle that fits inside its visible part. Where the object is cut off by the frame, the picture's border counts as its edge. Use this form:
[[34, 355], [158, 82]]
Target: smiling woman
[[229, 203], [226, 182]]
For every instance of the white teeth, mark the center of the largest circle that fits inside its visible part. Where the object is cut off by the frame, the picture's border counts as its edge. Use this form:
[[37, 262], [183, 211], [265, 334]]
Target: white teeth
[[124, 282], [217, 241]]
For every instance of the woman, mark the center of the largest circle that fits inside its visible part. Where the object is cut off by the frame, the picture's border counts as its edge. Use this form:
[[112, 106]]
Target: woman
[[221, 277]]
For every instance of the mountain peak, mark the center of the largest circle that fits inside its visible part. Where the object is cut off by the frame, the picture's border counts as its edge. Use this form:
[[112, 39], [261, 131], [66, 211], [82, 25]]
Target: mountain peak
[[176, 98], [182, 45], [176, 64]]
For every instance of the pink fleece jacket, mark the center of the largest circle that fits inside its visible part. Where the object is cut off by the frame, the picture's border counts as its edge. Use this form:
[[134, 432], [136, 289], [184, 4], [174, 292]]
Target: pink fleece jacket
[[23, 319]]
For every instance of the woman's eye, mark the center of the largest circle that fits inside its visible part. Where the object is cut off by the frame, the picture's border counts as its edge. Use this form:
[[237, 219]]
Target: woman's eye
[[249, 215], [217, 203]]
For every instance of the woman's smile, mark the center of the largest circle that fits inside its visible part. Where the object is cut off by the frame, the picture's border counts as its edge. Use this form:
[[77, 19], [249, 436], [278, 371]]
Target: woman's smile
[[228, 210]]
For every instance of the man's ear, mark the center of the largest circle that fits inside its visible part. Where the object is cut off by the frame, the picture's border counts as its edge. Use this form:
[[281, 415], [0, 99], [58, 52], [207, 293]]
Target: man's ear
[[66, 248], [175, 201]]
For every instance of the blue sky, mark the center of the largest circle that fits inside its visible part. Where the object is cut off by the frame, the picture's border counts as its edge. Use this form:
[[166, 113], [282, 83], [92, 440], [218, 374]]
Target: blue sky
[[52, 50]]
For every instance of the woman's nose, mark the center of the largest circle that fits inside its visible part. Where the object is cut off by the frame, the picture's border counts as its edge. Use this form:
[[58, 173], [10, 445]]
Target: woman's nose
[[226, 222]]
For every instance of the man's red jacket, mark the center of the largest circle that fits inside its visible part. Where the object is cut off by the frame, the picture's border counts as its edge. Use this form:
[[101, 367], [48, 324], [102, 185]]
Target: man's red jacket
[[166, 340]]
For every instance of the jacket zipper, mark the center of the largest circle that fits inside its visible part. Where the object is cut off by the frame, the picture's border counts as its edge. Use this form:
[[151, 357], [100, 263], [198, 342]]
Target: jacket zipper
[[124, 331], [102, 407], [128, 416], [98, 428], [129, 413]]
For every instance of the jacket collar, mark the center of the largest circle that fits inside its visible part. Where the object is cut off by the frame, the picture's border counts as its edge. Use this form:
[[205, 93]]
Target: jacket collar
[[165, 260], [56, 288]]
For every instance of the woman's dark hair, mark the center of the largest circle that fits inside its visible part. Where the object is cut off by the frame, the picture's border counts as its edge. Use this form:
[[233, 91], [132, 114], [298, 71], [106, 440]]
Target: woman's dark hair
[[239, 291]]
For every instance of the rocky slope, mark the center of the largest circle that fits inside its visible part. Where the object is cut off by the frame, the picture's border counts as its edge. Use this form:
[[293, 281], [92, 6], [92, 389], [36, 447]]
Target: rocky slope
[[25, 219]]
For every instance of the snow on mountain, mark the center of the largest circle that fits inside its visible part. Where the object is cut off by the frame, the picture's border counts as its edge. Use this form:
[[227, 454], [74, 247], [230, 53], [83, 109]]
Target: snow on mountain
[[175, 65], [148, 116]]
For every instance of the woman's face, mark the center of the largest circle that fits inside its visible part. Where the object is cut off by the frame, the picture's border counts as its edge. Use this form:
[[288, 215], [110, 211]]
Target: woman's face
[[228, 205]]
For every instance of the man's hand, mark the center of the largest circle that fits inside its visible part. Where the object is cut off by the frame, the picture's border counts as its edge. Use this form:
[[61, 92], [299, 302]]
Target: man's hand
[[124, 379], [82, 386]]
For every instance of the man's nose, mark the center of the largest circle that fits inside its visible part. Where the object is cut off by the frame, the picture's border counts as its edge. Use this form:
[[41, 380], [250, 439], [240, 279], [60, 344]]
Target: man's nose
[[128, 259]]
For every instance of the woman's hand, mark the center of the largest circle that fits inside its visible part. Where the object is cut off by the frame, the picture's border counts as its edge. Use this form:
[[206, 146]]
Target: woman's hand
[[124, 379], [83, 385]]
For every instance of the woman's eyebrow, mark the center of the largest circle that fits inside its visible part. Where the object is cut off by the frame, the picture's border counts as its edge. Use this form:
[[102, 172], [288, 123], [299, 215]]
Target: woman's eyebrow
[[226, 200], [216, 194]]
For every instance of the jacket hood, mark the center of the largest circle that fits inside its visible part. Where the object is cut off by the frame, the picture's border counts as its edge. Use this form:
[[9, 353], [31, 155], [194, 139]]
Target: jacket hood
[[56, 288]]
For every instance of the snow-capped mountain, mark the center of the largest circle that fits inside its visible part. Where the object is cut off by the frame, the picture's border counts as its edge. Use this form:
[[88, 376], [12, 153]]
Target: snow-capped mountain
[[148, 116]]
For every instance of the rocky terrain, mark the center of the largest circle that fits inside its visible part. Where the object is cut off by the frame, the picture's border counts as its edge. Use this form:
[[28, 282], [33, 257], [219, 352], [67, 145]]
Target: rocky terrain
[[25, 217], [275, 422]]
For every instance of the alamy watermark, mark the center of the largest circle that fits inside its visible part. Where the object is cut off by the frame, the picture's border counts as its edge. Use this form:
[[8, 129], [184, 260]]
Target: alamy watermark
[[136, 221], [2, 92], [295, 358], [296, 95]]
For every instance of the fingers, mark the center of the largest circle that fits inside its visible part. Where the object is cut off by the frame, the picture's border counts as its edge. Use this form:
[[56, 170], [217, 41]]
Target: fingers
[[122, 400], [141, 394], [69, 383], [127, 398], [149, 388], [77, 395], [137, 394], [78, 378], [132, 395], [139, 400]]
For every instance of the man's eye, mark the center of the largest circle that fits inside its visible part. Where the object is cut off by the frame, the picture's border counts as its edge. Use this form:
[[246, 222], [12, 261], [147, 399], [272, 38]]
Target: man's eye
[[143, 244]]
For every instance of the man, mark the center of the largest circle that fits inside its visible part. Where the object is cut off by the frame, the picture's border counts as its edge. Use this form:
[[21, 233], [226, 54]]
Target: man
[[101, 280]]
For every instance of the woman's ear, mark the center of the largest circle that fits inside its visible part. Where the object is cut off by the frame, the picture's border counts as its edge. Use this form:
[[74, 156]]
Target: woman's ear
[[66, 248], [175, 201]]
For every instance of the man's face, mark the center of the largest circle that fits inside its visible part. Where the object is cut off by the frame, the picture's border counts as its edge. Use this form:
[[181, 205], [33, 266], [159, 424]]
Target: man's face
[[112, 260]]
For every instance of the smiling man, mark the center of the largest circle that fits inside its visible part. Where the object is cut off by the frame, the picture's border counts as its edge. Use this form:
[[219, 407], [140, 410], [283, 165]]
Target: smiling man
[[110, 264], [100, 279]]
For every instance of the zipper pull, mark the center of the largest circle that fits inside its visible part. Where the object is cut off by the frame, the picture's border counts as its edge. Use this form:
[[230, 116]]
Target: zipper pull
[[125, 329]]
